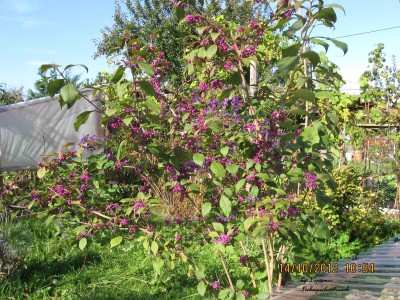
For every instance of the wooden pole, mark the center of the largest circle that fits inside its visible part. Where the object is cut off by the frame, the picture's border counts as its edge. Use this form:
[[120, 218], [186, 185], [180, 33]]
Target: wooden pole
[[253, 78]]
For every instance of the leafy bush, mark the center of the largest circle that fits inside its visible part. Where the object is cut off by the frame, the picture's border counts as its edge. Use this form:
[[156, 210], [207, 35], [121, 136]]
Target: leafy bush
[[355, 211], [214, 163]]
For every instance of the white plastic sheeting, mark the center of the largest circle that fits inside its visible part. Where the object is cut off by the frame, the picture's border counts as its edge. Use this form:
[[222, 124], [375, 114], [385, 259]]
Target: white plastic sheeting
[[31, 129]]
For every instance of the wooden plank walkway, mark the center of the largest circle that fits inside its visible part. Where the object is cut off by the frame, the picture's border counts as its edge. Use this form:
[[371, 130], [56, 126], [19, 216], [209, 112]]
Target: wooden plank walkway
[[379, 279]]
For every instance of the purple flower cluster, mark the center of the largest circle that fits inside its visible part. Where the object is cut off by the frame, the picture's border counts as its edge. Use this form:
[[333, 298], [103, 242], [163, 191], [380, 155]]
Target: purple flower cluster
[[311, 180], [114, 123], [88, 142], [216, 285], [273, 226], [85, 176], [243, 260], [288, 13], [222, 44], [203, 87], [59, 190], [278, 116], [293, 211], [138, 205], [179, 188], [223, 239], [222, 219], [112, 206], [192, 19], [35, 196], [250, 127]]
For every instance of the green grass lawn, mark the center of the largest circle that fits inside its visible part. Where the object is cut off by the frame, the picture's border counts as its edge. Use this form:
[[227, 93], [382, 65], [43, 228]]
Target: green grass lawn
[[55, 268]]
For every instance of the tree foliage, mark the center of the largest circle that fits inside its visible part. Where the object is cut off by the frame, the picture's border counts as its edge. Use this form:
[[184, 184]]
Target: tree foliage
[[155, 22], [10, 95]]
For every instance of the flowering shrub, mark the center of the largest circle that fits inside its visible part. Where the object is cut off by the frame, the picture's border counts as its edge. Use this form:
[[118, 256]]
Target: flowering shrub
[[219, 164]]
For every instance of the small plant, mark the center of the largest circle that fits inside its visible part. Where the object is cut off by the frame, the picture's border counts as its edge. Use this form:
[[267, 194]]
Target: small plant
[[10, 261]]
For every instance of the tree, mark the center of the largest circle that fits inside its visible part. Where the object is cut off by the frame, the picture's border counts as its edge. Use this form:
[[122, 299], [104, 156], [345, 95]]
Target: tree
[[40, 90], [155, 22], [380, 87], [10, 95]]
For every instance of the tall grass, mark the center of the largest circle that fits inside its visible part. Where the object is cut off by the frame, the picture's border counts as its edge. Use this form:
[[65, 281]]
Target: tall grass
[[55, 268]]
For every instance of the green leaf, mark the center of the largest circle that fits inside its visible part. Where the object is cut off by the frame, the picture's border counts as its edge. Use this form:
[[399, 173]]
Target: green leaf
[[254, 191], [304, 94], [324, 94], [120, 147], [234, 79], [205, 208], [240, 184], [323, 200], [327, 15], [292, 50], [232, 168], [199, 272], [54, 86], [41, 172], [320, 42], [179, 12], [198, 159], [224, 151], [248, 223], [201, 288], [211, 51], [224, 294], [340, 45], [226, 93], [200, 30], [153, 106], [118, 75], [77, 65], [320, 231], [190, 69], [214, 35], [49, 220], [82, 243], [154, 247], [213, 234], [158, 263], [69, 93], [81, 119], [295, 27], [226, 205], [147, 88], [228, 192], [44, 68], [116, 241], [218, 227], [240, 284], [42, 214], [127, 120], [263, 175], [334, 5], [310, 134], [312, 56], [218, 169], [147, 68], [297, 172], [240, 296], [287, 64]]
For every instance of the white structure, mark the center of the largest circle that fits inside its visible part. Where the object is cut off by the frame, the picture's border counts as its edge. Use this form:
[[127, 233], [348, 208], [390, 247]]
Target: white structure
[[31, 129]]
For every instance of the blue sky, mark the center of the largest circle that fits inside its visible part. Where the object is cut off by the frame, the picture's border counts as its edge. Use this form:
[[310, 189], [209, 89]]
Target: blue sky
[[34, 32]]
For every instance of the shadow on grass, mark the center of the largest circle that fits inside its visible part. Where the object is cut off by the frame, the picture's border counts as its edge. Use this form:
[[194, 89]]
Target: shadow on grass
[[56, 268], [179, 288]]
